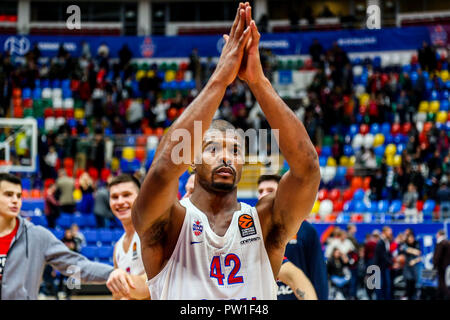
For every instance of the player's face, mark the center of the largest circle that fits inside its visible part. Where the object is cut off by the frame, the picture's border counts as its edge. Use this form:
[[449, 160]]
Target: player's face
[[266, 187], [121, 199], [10, 199], [221, 164]]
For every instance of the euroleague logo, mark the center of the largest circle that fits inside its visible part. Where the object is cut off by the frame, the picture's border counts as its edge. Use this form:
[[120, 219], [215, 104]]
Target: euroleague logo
[[197, 227], [246, 225]]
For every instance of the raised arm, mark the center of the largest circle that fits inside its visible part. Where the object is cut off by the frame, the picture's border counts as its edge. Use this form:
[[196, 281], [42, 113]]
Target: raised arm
[[297, 190], [157, 215]]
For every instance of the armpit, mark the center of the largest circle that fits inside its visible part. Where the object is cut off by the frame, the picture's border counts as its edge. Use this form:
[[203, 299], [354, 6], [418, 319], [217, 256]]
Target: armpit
[[156, 234]]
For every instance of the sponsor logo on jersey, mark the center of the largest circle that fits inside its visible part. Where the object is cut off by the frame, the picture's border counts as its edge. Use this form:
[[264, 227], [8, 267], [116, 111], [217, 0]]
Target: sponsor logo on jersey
[[246, 225], [135, 254], [293, 240], [197, 227], [250, 240]]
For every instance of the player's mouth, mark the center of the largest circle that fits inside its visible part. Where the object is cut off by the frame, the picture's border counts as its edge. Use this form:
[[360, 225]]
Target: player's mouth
[[224, 172], [14, 209]]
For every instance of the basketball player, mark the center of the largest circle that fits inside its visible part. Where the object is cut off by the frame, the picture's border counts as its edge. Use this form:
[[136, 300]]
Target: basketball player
[[128, 280], [294, 277], [210, 246], [304, 252], [25, 249]]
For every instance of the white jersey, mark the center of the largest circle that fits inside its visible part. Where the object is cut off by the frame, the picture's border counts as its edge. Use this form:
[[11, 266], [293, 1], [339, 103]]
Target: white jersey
[[130, 261], [204, 265]]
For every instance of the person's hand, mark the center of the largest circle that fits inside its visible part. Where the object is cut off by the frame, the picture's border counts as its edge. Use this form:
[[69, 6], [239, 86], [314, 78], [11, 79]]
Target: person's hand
[[251, 70], [233, 50], [119, 283]]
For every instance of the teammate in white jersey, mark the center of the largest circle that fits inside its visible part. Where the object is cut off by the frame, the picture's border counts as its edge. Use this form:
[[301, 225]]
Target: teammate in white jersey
[[210, 246], [128, 280]]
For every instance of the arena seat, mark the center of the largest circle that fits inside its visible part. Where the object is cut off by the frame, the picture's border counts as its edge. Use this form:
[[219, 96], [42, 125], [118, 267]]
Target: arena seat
[[64, 220], [91, 236], [105, 236], [105, 252], [90, 252]]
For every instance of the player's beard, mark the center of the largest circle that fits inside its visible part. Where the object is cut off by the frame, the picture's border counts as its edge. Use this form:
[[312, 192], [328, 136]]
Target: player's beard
[[224, 187]]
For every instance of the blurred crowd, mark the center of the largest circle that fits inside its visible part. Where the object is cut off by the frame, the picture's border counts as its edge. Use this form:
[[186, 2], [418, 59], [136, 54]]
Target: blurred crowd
[[383, 266]]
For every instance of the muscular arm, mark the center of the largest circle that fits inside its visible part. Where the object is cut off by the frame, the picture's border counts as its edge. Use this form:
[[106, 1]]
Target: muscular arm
[[282, 214], [157, 215], [297, 281]]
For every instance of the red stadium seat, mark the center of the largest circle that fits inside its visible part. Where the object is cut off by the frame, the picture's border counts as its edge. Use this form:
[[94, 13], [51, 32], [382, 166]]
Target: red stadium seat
[[334, 195], [366, 182], [347, 195], [395, 128], [35, 193], [105, 174], [93, 172], [338, 206], [323, 194], [364, 128], [140, 153], [406, 128]]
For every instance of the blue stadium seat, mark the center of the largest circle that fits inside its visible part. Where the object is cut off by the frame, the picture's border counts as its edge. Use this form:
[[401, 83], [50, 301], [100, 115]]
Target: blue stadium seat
[[90, 252], [117, 233], [428, 207], [58, 233], [105, 252], [395, 207], [383, 206], [39, 220], [359, 206], [90, 221], [105, 236], [79, 220], [358, 195], [64, 221], [91, 236]]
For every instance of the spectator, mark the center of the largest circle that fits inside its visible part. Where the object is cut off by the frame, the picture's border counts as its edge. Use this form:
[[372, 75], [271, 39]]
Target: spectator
[[51, 208], [341, 242], [70, 243], [409, 201], [51, 159], [427, 57], [78, 237], [369, 256], [383, 259], [316, 51], [441, 261], [337, 268], [102, 210], [443, 199], [413, 256], [87, 189], [65, 186]]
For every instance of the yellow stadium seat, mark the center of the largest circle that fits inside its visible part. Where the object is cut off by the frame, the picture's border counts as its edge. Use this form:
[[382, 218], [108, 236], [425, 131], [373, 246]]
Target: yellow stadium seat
[[343, 161], [434, 106], [397, 160], [378, 140], [315, 208], [390, 150], [424, 106], [352, 161], [441, 117], [331, 162], [169, 76], [140, 74], [128, 153], [444, 75], [79, 114], [115, 163]]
